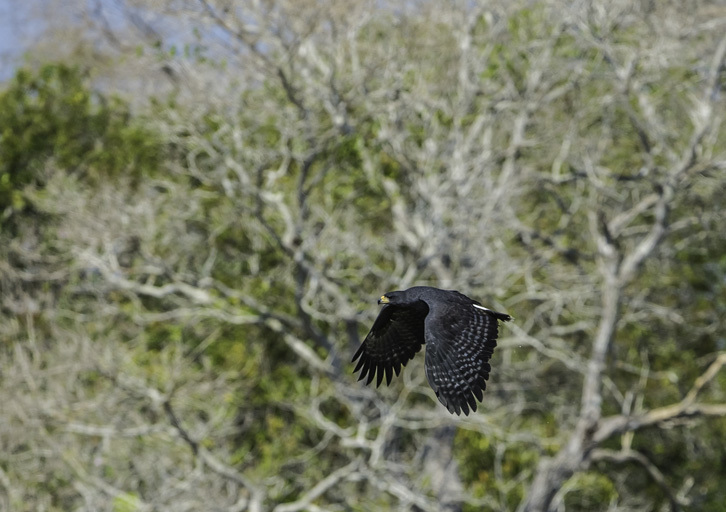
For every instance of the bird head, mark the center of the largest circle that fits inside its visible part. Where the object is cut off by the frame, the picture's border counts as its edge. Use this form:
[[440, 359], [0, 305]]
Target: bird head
[[390, 298]]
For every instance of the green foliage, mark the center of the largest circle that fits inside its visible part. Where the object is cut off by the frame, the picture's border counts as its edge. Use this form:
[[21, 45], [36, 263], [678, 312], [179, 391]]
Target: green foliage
[[590, 491], [126, 502], [52, 114], [487, 472]]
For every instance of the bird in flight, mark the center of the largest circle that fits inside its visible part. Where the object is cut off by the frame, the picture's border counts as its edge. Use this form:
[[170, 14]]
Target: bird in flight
[[460, 335]]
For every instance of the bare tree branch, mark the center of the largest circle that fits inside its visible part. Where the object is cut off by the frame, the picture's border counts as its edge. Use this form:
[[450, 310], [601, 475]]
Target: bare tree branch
[[686, 408], [624, 456], [320, 488]]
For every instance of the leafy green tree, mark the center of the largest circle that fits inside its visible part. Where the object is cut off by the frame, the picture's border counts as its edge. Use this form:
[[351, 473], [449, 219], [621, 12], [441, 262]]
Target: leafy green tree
[[53, 115]]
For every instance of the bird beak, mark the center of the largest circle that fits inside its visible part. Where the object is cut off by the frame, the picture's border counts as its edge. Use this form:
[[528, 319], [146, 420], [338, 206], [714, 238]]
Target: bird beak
[[383, 300]]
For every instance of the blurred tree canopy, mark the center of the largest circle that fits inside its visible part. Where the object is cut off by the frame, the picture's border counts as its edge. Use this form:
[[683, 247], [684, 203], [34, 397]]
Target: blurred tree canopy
[[195, 224], [53, 114]]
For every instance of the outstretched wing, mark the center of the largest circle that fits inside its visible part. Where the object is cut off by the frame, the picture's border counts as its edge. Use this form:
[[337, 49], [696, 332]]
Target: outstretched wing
[[396, 336], [460, 339]]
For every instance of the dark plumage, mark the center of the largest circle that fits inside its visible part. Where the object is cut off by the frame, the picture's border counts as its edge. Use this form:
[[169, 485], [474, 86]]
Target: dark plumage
[[460, 335]]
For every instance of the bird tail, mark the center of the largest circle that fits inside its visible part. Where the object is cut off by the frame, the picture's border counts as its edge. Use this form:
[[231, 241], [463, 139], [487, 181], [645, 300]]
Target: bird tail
[[499, 316]]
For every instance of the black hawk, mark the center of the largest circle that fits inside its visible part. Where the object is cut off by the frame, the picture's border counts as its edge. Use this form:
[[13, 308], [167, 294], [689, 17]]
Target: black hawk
[[460, 335]]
